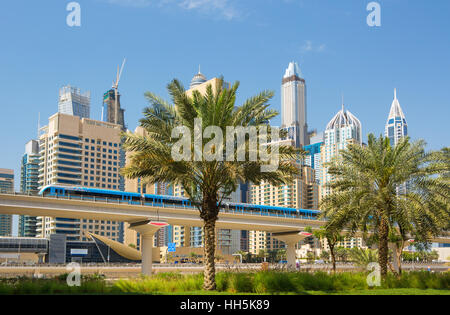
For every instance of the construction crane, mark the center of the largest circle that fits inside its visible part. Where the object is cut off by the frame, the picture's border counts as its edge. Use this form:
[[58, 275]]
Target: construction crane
[[116, 90]]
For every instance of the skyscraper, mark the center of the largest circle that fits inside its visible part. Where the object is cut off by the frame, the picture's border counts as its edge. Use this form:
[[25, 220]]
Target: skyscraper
[[396, 126], [79, 152], [29, 184], [30, 168], [396, 129], [343, 129], [312, 157], [109, 103], [73, 102], [198, 79], [116, 115], [293, 105], [301, 193], [6, 187]]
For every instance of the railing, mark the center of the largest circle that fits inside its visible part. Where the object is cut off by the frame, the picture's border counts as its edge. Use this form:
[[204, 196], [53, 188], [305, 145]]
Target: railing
[[174, 206]]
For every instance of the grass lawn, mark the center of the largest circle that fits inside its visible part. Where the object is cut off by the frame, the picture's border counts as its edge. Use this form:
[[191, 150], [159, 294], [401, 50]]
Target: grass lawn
[[240, 283]]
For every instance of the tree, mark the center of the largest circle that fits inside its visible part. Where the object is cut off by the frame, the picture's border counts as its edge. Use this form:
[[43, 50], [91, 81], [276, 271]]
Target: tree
[[272, 255], [281, 254], [310, 256], [342, 254], [365, 192], [206, 181], [332, 235], [362, 257], [325, 255], [262, 254]]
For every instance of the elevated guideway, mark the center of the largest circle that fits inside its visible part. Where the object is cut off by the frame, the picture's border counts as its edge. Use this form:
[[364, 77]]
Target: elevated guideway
[[127, 212], [147, 219]]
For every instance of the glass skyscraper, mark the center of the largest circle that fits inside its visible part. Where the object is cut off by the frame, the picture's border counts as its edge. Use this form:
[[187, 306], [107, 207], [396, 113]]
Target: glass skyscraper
[[342, 130], [29, 184], [396, 125], [6, 187], [396, 129], [73, 102], [293, 105], [312, 157]]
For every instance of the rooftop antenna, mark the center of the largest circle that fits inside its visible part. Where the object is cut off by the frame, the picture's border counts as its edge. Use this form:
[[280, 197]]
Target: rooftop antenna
[[395, 93], [116, 90], [342, 101]]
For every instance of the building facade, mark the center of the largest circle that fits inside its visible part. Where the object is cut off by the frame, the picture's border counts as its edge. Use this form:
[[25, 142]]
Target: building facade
[[79, 152], [73, 102], [341, 131], [164, 236], [293, 105], [227, 241], [115, 114], [301, 193], [313, 156], [29, 184], [396, 126], [6, 187]]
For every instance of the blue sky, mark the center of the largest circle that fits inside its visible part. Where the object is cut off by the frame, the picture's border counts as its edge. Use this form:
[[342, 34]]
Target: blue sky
[[247, 40]]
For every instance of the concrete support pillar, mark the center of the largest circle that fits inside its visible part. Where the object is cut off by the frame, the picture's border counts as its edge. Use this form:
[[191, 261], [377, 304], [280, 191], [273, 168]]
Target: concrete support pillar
[[291, 254], [291, 238], [147, 254], [147, 229]]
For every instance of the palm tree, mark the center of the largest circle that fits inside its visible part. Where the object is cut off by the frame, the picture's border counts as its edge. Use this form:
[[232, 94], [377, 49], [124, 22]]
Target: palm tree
[[365, 192], [206, 182], [362, 257]]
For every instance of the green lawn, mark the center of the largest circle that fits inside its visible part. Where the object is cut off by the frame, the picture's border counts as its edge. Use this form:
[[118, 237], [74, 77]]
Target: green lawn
[[240, 283]]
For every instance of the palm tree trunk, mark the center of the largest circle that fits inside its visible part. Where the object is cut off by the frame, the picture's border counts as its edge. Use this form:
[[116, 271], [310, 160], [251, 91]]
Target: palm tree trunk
[[333, 257], [399, 256], [383, 247], [209, 281]]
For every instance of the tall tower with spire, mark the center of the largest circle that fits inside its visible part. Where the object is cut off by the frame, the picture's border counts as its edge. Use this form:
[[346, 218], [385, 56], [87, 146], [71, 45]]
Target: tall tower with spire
[[293, 105], [198, 79], [343, 129], [396, 125]]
